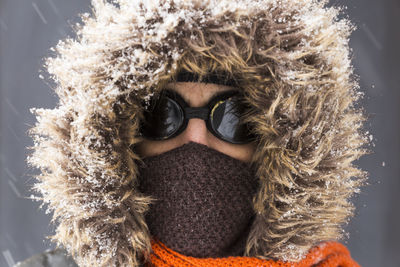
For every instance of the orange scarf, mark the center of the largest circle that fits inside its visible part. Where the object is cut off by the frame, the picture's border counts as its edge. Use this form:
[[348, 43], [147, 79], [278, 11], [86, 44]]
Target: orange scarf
[[329, 254]]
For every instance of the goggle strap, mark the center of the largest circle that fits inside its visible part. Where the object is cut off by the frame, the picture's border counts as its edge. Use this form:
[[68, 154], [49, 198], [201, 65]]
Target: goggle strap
[[197, 112]]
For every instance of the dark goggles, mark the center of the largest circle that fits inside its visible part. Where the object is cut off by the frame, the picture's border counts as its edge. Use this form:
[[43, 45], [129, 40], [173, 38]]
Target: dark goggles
[[168, 116]]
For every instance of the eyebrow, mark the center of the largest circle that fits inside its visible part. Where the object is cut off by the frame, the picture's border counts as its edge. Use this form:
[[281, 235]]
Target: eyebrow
[[220, 77]]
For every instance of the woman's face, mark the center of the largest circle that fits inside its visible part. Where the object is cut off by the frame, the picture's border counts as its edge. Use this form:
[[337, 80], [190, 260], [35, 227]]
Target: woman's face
[[196, 95]]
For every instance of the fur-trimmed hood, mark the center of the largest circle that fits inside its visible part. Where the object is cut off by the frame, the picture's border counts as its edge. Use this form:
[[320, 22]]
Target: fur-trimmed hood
[[292, 61]]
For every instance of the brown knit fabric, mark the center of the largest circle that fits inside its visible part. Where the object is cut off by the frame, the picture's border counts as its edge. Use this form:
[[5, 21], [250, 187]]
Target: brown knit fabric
[[204, 200]]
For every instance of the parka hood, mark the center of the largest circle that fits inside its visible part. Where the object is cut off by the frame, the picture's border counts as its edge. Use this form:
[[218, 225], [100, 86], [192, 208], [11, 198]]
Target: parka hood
[[291, 60]]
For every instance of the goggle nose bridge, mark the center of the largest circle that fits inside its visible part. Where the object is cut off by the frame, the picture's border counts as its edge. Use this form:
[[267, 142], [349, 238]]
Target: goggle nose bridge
[[197, 112]]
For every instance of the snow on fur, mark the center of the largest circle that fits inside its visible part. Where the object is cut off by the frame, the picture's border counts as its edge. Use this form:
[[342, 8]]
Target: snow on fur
[[294, 67]]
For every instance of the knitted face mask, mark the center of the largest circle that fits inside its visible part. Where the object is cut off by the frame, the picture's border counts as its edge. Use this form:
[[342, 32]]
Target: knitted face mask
[[204, 200]]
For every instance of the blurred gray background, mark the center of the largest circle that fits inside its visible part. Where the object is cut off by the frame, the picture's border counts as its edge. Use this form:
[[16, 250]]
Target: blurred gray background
[[29, 28]]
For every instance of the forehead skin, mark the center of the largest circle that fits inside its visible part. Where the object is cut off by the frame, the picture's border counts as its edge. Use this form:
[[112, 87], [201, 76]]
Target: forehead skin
[[198, 94]]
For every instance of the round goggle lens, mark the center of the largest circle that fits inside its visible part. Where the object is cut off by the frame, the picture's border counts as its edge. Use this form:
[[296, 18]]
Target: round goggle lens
[[163, 120], [226, 121]]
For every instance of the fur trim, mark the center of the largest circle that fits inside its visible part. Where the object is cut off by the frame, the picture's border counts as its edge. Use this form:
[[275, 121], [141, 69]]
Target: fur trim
[[291, 59]]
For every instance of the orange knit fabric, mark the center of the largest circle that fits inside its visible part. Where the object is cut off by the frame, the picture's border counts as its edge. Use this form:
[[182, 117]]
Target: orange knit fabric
[[329, 254]]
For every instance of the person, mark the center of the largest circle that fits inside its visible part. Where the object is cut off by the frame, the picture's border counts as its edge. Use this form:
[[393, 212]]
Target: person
[[201, 133]]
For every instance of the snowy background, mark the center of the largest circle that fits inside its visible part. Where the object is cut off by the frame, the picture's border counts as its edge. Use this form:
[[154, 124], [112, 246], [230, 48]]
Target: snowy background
[[29, 28]]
